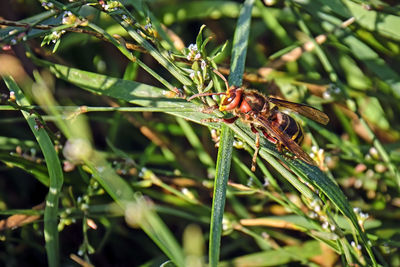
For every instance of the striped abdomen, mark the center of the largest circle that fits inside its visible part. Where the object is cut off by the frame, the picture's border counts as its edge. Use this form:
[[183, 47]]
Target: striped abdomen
[[288, 125]]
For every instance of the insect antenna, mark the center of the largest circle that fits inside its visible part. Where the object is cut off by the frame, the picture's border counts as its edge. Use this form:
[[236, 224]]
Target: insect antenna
[[222, 77], [208, 94], [204, 94]]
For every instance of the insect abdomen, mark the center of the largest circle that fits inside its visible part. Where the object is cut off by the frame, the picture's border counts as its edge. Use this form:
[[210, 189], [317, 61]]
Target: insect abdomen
[[290, 126]]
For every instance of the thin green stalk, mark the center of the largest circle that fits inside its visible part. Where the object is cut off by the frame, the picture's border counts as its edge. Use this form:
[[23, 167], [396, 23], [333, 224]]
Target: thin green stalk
[[175, 71], [121, 47], [85, 109]]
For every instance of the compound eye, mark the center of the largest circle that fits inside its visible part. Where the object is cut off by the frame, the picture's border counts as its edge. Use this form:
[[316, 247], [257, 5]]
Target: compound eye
[[231, 101]]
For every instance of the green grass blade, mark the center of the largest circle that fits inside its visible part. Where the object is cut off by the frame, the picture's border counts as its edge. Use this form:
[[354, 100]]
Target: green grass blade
[[225, 149], [336, 196], [219, 196], [55, 174]]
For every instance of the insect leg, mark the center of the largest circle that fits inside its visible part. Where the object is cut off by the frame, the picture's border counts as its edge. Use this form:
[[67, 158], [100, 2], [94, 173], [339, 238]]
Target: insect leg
[[230, 120], [254, 159], [209, 110]]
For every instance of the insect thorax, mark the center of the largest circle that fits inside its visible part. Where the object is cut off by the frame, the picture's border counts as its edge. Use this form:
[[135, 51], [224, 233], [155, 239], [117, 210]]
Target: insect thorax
[[255, 100]]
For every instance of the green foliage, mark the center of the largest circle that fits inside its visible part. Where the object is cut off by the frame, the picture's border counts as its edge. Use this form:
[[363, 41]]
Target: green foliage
[[122, 168]]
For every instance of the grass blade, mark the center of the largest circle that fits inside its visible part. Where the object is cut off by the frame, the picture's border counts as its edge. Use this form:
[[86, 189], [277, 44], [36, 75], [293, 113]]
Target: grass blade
[[220, 185], [225, 149], [55, 174]]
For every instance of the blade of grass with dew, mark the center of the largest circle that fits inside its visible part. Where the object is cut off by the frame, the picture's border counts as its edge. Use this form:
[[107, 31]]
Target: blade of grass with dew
[[219, 195], [314, 176], [294, 223], [239, 49], [55, 174], [270, 154]]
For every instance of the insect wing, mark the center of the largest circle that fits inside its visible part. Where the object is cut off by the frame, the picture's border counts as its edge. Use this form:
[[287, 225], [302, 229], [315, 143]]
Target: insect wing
[[307, 111], [285, 140]]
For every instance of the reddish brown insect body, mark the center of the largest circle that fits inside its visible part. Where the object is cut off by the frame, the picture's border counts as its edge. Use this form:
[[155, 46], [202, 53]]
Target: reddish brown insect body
[[278, 127]]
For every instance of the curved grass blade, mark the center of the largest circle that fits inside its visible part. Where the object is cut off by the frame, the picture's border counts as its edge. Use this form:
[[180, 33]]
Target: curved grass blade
[[317, 178], [55, 174]]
